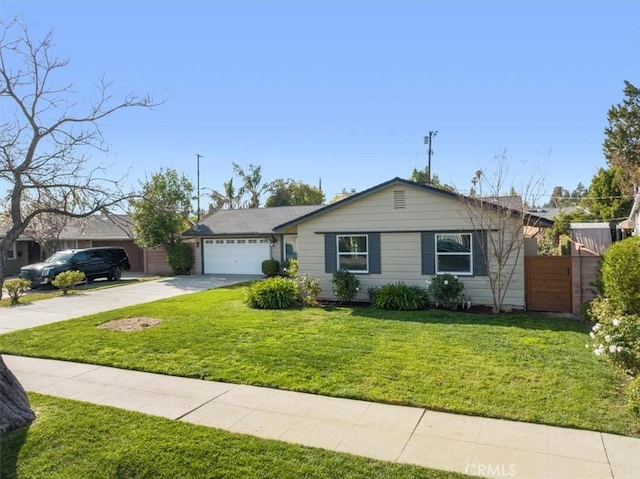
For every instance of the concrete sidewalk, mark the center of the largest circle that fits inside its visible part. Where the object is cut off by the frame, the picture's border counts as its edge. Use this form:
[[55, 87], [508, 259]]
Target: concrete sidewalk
[[472, 445], [30, 315]]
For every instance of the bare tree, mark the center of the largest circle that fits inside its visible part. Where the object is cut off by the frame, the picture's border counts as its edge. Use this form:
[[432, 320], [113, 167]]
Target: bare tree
[[45, 229], [493, 209], [45, 138]]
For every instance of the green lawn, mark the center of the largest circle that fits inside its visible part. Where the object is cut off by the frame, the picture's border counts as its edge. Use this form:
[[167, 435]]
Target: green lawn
[[523, 366], [71, 439]]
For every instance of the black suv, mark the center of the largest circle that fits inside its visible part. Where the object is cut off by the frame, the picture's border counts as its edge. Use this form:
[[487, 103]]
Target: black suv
[[105, 262]]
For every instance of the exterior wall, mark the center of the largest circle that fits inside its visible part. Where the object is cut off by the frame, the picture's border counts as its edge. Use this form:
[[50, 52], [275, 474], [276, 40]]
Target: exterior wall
[[21, 258], [400, 241], [155, 261]]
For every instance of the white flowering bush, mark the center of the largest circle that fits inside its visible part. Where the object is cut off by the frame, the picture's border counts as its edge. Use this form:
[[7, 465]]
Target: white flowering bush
[[616, 336], [446, 290]]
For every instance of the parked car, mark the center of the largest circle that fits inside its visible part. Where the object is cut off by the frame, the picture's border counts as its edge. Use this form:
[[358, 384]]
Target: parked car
[[103, 262]]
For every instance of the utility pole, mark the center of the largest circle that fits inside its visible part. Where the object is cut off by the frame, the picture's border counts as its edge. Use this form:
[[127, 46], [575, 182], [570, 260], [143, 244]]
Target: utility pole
[[427, 141], [198, 156]]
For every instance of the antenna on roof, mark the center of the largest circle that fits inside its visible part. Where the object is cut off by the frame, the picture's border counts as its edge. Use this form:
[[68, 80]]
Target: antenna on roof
[[198, 156], [427, 141]]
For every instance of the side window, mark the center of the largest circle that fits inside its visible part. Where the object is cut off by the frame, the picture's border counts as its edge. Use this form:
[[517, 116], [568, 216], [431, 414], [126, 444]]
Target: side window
[[81, 257], [95, 255]]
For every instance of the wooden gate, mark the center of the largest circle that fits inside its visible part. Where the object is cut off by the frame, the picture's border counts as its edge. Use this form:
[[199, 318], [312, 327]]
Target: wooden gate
[[548, 283]]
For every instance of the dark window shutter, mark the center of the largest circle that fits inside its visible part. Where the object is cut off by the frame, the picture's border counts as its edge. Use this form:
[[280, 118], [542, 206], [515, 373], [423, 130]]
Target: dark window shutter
[[479, 247], [374, 253], [428, 248], [330, 253]]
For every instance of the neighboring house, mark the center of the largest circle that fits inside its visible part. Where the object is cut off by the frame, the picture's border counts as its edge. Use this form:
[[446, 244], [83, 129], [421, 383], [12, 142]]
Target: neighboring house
[[590, 238], [237, 241], [96, 230], [395, 231], [633, 222]]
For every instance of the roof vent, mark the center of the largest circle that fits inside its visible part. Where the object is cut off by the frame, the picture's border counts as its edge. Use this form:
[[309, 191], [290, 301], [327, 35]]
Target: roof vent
[[399, 200]]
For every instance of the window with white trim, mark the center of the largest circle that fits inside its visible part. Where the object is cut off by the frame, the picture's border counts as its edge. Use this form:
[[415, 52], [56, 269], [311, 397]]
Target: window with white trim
[[290, 247], [353, 253], [454, 253], [11, 254]]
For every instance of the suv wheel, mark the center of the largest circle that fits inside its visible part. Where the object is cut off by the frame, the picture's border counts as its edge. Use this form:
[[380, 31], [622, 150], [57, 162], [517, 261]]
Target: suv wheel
[[115, 274]]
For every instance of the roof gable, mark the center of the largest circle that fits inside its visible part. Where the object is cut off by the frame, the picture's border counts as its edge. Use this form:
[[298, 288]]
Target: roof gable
[[531, 219]]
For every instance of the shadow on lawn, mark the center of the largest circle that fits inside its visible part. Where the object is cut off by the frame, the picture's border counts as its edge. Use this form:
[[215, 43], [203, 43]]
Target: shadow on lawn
[[10, 445], [522, 320]]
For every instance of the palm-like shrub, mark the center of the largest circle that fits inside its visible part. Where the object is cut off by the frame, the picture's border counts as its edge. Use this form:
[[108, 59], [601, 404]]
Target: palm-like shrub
[[399, 297], [272, 293]]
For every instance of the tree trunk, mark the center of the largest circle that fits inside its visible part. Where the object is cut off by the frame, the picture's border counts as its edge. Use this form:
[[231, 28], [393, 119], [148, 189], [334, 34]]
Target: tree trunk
[[15, 410]]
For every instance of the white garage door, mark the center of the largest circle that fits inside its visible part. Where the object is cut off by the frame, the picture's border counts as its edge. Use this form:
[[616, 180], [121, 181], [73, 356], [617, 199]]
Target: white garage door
[[235, 255]]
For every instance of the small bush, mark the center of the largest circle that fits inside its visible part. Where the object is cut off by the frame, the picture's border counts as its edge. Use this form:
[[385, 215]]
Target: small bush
[[621, 275], [180, 258], [270, 267], [633, 397], [372, 292], [400, 297], [446, 290], [272, 293], [291, 267], [309, 289], [345, 285], [16, 288], [68, 280]]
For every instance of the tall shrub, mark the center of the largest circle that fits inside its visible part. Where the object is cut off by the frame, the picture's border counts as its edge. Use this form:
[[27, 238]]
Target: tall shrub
[[180, 258], [345, 285], [621, 275]]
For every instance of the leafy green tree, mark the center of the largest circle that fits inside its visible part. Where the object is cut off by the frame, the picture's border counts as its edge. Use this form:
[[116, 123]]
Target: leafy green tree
[[162, 212], [605, 198], [560, 197], [422, 176], [622, 139], [294, 193]]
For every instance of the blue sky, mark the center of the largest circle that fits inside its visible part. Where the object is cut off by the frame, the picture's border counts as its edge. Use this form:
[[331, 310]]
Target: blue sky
[[345, 91]]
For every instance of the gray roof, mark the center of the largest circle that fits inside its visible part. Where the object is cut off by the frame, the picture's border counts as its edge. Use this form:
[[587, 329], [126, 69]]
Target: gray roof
[[252, 221], [96, 227]]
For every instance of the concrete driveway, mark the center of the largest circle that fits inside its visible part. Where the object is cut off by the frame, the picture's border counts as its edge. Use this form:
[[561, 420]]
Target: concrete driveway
[[30, 315]]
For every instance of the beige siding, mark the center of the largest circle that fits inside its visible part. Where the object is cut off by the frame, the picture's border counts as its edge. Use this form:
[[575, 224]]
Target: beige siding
[[400, 241]]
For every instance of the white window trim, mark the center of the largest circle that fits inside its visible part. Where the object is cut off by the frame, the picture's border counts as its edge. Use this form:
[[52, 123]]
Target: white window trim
[[293, 239], [457, 253], [338, 253]]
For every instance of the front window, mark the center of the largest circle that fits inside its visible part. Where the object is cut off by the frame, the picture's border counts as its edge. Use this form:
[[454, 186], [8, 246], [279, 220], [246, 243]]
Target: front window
[[290, 248], [11, 254], [353, 253], [454, 253]]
